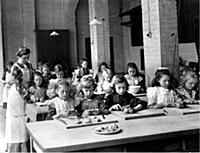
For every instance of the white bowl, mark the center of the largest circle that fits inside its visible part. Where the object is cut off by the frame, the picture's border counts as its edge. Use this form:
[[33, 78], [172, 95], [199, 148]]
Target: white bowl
[[134, 89]]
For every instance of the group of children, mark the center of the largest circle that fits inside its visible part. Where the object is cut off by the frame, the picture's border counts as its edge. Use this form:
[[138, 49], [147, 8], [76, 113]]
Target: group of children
[[81, 94]]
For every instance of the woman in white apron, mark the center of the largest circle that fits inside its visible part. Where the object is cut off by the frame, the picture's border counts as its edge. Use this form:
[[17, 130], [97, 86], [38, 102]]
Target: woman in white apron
[[16, 135]]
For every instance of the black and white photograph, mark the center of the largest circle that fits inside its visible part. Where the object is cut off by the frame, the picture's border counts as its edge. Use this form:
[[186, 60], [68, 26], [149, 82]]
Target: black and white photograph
[[99, 76]]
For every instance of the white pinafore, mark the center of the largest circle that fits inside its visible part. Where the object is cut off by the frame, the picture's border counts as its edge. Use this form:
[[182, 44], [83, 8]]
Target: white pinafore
[[15, 117]]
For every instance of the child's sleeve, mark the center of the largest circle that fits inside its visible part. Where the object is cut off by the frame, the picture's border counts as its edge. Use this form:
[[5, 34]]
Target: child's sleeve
[[78, 105], [102, 106], [51, 113], [197, 95], [4, 76], [109, 101], [151, 96], [136, 101], [50, 102]]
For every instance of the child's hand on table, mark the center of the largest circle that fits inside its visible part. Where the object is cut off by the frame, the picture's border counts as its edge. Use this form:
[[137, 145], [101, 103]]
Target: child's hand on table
[[86, 113], [115, 107], [158, 106]]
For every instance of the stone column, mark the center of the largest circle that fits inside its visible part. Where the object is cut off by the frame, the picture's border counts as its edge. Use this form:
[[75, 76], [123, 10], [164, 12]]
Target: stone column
[[1, 55], [160, 36], [29, 27], [1, 43], [99, 32]]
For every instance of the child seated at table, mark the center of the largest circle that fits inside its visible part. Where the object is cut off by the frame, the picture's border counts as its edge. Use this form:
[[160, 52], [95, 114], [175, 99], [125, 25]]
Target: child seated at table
[[120, 98], [46, 73], [99, 78], [38, 90], [133, 77], [60, 74], [84, 70], [106, 85], [62, 103], [188, 88], [161, 93], [89, 103]]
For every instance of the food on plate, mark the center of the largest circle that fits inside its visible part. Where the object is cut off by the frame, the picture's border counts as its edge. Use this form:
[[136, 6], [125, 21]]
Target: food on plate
[[108, 129]]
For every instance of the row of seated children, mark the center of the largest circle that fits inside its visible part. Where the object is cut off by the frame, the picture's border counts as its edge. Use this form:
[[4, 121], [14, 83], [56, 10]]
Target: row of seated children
[[133, 77], [86, 103], [44, 82], [160, 95], [103, 78]]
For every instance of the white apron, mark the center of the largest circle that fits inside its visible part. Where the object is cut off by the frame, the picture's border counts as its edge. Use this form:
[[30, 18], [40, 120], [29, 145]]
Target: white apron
[[7, 86], [15, 118]]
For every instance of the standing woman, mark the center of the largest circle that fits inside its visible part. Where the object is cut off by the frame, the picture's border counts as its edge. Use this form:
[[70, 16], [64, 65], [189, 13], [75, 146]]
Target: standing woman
[[16, 135], [24, 65], [21, 71]]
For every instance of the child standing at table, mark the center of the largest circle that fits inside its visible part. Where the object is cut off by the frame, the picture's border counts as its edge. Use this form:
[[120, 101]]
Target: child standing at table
[[88, 102], [161, 93], [38, 90], [62, 103], [16, 135], [8, 81], [188, 88], [120, 98]]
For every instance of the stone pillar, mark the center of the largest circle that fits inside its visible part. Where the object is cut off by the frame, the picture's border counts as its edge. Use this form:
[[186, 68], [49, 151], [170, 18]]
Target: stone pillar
[[1, 43], [29, 27], [1, 54], [160, 36], [99, 33]]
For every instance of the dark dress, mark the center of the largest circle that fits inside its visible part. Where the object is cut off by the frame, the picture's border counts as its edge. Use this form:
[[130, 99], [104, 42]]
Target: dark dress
[[82, 72], [95, 102], [123, 100]]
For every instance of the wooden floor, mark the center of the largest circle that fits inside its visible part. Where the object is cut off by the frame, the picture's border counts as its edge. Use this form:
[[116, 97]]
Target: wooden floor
[[2, 129]]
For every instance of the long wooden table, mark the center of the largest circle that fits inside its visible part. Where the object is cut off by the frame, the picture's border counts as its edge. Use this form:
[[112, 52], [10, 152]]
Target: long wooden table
[[53, 136]]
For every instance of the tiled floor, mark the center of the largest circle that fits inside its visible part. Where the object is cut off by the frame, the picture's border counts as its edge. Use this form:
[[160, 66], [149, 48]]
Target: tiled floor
[[2, 129]]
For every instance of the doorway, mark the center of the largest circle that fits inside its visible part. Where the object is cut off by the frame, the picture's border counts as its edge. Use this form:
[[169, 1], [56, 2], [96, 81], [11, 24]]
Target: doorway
[[53, 49]]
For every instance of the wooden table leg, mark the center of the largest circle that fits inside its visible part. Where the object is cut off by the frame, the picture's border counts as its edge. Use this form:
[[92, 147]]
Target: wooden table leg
[[31, 145]]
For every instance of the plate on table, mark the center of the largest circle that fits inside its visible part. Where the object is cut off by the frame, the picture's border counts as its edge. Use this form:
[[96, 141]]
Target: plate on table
[[107, 129]]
